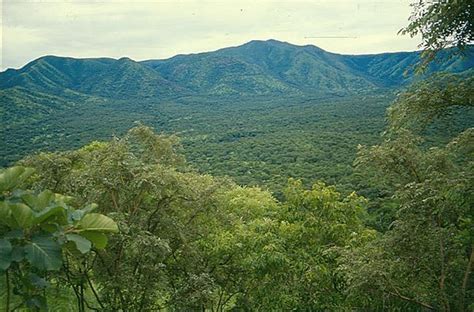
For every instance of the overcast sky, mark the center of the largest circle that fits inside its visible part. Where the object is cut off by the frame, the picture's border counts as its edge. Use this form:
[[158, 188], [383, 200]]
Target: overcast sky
[[160, 29]]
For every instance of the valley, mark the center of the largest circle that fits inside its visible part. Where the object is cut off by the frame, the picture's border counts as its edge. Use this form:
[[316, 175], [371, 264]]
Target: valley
[[259, 113], [257, 176]]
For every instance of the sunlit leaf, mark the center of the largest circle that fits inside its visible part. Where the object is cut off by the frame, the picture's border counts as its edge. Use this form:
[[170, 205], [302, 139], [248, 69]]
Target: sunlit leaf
[[6, 216], [98, 239], [97, 222], [49, 212], [40, 201], [22, 214], [12, 177]]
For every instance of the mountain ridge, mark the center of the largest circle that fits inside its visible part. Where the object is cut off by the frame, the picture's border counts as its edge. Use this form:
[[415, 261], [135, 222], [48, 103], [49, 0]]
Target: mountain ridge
[[254, 68]]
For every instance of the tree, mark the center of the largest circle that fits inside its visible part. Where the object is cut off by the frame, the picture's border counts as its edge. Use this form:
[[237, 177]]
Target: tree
[[163, 209], [430, 100], [426, 257], [441, 24], [288, 255], [42, 233]]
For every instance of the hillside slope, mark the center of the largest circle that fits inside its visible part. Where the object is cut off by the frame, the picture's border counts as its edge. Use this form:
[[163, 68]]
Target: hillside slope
[[306, 69], [105, 77], [255, 68]]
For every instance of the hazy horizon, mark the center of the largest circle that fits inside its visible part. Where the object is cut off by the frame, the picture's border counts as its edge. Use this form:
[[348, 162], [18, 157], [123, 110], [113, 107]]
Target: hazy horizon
[[198, 52], [160, 30]]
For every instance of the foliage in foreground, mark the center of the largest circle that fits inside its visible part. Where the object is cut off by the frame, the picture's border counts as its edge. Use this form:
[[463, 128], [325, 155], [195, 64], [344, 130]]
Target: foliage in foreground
[[190, 241], [425, 258], [43, 239], [194, 242]]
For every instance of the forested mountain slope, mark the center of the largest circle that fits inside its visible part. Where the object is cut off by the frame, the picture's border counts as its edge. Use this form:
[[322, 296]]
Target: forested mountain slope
[[257, 67], [306, 69], [259, 112], [105, 77]]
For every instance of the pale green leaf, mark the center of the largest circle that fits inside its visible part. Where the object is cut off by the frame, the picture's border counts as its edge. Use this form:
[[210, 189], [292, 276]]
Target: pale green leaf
[[12, 177], [22, 214], [49, 212], [97, 238], [97, 222], [40, 201], [82, 244], [6, 216]]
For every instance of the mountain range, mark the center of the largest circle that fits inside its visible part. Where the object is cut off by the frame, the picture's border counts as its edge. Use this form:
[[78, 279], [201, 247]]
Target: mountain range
[[255, 68]]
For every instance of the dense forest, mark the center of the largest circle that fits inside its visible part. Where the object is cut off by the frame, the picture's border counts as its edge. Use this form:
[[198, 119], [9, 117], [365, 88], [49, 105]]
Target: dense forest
[[282, 178]]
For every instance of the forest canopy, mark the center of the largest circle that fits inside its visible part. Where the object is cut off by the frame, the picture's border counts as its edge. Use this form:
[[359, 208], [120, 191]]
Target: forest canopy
[[127, 224]]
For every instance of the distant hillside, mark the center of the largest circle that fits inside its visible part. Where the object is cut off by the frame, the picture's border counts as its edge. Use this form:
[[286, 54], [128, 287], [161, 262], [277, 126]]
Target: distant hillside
[[255, 68], [104, 77], [260, 112], [275, 67]]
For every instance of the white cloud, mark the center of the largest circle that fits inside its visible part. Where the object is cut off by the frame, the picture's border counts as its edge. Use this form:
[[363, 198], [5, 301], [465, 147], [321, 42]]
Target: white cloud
[[161, 29]]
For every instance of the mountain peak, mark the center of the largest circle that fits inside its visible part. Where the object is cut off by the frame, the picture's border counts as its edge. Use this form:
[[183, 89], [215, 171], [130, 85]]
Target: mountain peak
[[126, 59], [268, 41], [279, 44], [256, 67]]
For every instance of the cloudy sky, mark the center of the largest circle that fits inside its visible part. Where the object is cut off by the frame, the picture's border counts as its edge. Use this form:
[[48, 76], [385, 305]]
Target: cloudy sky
[[160, 29]]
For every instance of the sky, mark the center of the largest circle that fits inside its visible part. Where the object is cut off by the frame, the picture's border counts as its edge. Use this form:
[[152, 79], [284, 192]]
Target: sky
[[161, 29]]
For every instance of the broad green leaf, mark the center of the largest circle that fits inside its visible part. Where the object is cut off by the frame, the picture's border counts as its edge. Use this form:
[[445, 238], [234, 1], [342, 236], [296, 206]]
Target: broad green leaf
[[40, 201], [5, 254], [49, 212], [44, 253], [14, 234], [82, 244], [6, 216], [97, 222], [90, 207], [12, 177], [22, 214], [97, 238], [71, 249]]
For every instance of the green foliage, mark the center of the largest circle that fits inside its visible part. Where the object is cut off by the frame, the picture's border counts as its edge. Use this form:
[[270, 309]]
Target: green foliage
[[37, 230], [441, 24], [223, 138], [190, 241], [134, 179], [425, 258], [431, 99], [299, 268], [317, 106]]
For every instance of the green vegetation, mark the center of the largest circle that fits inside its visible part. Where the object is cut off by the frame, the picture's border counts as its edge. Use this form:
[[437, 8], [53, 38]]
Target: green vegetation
[[189, 241], [44, 240], [327, 212], [259, 113], [441, 25], [192, 242]]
